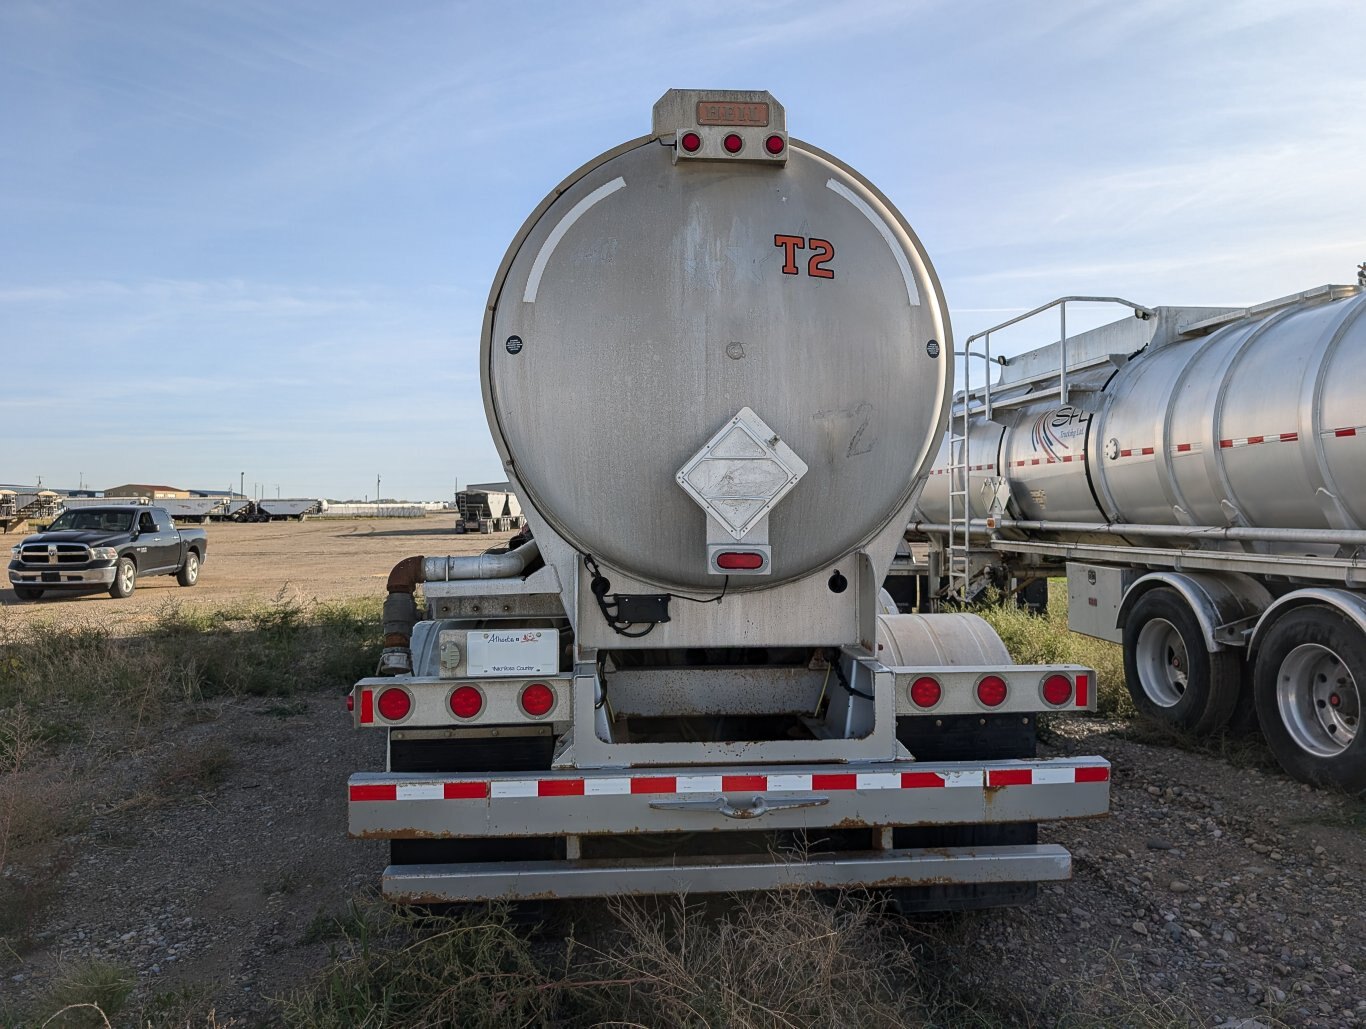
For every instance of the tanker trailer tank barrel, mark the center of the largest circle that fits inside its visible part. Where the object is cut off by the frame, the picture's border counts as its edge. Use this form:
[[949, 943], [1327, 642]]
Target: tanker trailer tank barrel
[[981, 527]]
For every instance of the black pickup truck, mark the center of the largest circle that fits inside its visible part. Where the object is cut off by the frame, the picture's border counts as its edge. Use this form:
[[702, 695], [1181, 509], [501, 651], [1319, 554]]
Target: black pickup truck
[[105, 548]]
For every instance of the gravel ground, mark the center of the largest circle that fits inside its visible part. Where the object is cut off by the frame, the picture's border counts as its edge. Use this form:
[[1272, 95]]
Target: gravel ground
[[1233, 890]]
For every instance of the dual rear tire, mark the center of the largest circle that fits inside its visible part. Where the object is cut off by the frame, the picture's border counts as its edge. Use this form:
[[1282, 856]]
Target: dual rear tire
[[1172, 675], [1305, 689], [1308, 685]]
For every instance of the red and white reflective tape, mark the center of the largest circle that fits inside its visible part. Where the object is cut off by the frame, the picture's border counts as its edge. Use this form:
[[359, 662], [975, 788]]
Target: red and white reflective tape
[[1252, 441], [672, 785], [1029, 462]]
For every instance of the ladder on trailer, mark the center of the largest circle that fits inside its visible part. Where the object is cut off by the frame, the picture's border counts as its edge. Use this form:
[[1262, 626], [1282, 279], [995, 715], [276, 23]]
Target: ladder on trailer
[[960, 425]]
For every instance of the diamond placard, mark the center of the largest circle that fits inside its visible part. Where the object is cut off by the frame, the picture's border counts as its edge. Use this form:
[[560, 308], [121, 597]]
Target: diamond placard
[[741, 473]]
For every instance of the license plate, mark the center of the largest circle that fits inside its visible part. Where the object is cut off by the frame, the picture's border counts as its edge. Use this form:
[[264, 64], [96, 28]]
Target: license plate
[[514, 652], [718, 112]]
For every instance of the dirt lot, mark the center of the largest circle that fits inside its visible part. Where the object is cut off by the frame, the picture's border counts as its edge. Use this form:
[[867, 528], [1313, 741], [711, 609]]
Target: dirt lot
[[1218, 892], [323, 559]]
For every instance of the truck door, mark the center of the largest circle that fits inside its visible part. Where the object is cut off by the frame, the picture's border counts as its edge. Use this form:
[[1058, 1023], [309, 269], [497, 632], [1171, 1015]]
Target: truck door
[[161, 541]]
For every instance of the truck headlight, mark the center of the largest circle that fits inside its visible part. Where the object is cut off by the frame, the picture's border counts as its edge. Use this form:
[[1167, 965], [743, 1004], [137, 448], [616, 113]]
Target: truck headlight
[[14, 552], [104, 554]]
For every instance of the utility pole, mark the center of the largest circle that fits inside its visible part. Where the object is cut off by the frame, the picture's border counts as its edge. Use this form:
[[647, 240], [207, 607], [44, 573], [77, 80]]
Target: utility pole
[[242, 485], [277, 491], [377, 487]]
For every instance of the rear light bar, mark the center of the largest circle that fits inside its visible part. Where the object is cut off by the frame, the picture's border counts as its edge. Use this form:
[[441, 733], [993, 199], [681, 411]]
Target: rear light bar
[[979, 691], [381, 702]]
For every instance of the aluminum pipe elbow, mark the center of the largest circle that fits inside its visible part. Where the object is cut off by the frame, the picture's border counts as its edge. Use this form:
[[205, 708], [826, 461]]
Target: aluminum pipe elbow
[[480, 566]]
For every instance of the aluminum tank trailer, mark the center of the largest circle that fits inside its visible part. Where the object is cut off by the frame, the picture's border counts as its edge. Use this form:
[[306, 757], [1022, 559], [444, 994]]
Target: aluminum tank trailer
[[716, 363], [1199, 475]]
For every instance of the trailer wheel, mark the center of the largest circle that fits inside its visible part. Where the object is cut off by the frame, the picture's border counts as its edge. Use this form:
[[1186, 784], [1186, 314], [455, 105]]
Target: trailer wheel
[[1172, 676], [28, 592], [1308, 684]]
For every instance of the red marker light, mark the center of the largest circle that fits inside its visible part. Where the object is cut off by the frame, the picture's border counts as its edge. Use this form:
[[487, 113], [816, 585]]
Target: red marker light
[[991, 690], [1057, 690], [466, 702], [690, 141], [394, 704], [926, 691], [775, 145], [733, 143], [739, 560], [537, 699]]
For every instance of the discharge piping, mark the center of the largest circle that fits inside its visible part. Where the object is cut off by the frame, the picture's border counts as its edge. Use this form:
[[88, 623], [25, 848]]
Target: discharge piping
[[480, 566], [400, 608]]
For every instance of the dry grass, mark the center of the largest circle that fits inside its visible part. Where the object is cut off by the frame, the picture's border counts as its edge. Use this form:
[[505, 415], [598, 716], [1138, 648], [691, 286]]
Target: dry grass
[[770, 961], [74, 698]]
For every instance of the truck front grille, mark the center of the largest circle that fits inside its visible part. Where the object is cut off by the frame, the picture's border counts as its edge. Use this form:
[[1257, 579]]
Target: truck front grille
[[54, 554]]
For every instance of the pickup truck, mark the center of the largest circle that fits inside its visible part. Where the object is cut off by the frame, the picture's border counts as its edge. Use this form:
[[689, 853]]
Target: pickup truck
[[105, 548]]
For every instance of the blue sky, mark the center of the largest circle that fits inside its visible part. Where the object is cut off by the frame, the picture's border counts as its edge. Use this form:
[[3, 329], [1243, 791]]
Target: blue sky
[[257, 237]]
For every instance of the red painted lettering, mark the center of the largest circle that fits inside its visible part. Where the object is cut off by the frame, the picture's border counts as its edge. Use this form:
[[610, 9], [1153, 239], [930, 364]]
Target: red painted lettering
[[825, 252], [790, 245]]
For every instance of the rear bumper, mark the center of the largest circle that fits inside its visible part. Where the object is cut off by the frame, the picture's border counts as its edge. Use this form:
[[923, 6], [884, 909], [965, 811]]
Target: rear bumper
[[623, 802], [62, 578], [436, 884]]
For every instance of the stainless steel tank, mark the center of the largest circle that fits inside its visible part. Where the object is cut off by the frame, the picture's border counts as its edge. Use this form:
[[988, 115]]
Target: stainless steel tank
[[1260, 422], [650, 298], [1263, 424]]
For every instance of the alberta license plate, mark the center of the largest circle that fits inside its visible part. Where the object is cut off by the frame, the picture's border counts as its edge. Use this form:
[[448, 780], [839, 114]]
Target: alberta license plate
[[514, 652]]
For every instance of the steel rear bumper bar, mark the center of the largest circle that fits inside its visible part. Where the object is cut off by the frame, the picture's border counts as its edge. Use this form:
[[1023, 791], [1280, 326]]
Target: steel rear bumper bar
[[697, 798], [433, 884]]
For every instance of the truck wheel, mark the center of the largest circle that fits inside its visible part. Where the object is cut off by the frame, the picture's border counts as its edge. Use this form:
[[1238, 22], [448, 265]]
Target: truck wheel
[[189, 571], [1172, 676], [125, 579], [1308, 683], [28, 592]]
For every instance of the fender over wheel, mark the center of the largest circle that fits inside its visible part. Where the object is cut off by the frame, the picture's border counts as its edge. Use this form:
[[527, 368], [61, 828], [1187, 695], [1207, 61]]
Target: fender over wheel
[[1173, 677], [1308, 683]]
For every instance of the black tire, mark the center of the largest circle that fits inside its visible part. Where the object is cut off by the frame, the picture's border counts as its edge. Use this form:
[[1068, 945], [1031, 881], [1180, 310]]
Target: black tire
[[28, 592], [1173, 678], [125, 579], [189, 571], [1308, 683]]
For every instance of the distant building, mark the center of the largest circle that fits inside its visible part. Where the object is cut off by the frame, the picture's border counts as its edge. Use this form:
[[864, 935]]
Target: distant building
[[148, 492]]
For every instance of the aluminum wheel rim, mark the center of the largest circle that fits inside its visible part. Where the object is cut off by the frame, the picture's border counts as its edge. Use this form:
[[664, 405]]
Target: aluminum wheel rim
[[126, 574], [1318, 699], [192, 568], [1163, 664]]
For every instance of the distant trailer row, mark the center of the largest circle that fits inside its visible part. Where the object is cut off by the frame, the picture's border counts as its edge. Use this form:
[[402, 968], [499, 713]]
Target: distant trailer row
[[41, 506], [378, 510]]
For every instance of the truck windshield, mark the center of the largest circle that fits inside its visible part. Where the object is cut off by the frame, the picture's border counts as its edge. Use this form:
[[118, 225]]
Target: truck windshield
[[105, 521]]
